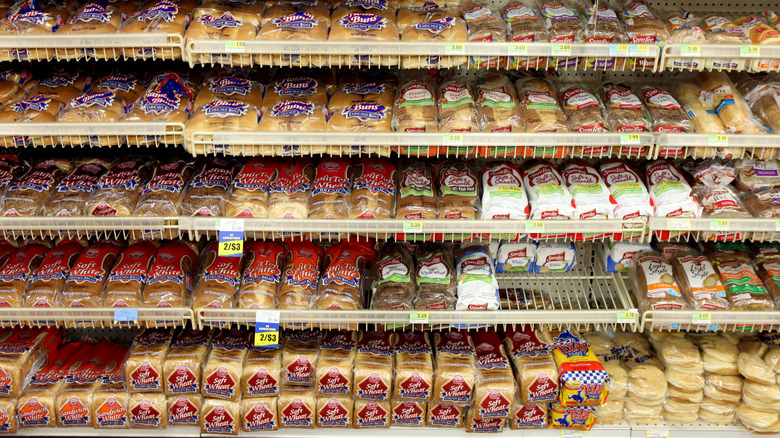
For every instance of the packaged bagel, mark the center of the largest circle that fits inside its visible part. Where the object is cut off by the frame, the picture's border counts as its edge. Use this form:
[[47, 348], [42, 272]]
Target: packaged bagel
[[302, 267], [547, 194], [497, 105], [290, 190], [161, 196], [667, 114], [48, 281], [219, 280], [503, 195], [583, 110], [459, 190], [436, 281], [457, 112], [341, 285], [625, 112], [126, 281], [117, 191], [84, 287], [540, 106], [416, 194], [17, 271], [373, 189], [526, 25], [414, 109], [170, 278], [71, 194], [435, 26], [262, 275], [655, 284], [27, 194]]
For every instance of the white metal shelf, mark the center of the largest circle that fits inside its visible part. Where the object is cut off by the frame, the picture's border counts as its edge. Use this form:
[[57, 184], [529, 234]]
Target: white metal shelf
[[86, 226], [61, 47], [32, 134], [723, 320], [169, 432], [716, 229], [679, 145], [92, 317], [754, 57]]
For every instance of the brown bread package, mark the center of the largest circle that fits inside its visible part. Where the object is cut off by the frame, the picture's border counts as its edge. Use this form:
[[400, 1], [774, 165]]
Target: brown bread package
[[148, 411], [373, 189], [395, 283], [220, 416], [416, 194], [262, 275], [171, 276], [458, 188], [299, 358], [126, 281], [497, 105], [144, 365], [262, 373], [698, 281], [72, 193], [183, 364], [435, 277], [455, 371], [251, 186], [372, 414], [408, 413], [259, 413], [27, 195], [219, 280], [207, 192], [161, 196], [540, 106], [48, 281], [494, 394], [297, 408], [374, 367], [117, 191], [18, 271], [656, 286], [86, 280], [335, 412], [224, 367], [536, 372], [184, 409], [445, 415], [744, 289]]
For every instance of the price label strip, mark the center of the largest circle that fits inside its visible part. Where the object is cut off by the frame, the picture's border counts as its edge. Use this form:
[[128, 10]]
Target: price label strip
[[750, 51], [571, 433], [561, 50], [690, 50], [413, 227], [418, 317], [678, 224], [517, 49], [639, 50], [455, 49], [126, 315], [701, 317], [718, 140], [235, 46], [231, 237], [719, 225], [657, 433], [267, 328], [629, 316], [629, 139]]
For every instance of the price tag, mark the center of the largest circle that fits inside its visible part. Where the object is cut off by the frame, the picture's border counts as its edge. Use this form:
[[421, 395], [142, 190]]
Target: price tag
[[125, 314], [719, 224], [718, 140], [418, 317], [678, 224], [413, 227], [618, 49], [777, 225], [534, 226], [455, 49], [231, 237], [571, 433], [702, 317], [628, 316], [517, 49], [750, 51], [561, 50], [452, 139], [235, 46], [657, 433], [629, 139], [267, 328], [639, 50], [690, 50]]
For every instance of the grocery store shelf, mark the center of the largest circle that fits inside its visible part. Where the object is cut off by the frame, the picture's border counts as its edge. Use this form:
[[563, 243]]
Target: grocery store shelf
[[87, 226], [587, 297], [723, 320], [694, 430], [679, 145], [716, 229], [148, 46], [93, 317], [100, 134], [395, 53], [169, 432], [720, 57]]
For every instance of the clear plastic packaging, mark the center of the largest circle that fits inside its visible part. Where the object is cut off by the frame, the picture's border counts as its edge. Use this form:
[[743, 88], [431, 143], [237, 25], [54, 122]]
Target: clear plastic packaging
[[214, 21], [223, 115], [17, 272], [97, 107], [302, 266], [330, 192], [294, 21], [540, 106], [435, 277], [703, 117], [168, 100], [166, 16], [362, 106], [394, 280], [27, 194], [91, 17], [497, 105], [28, 18], [721, 94], [642, 24], [459, 190], [684, 28], [171, 276], [230, 85], [84, 287], [262, 275], [219, 280], [162, 195], [625, 111], [654, 282], [477, 284], [525, 26], [757, 30], [416, 195], [294, 115], [592, 199], [373, 189], [290, 190], [364, 25], [440, 27], [484, 25], [117, 191], [250, 189], [584, 111], [414, 109], [669, 191], [48, 281], [125, 284], [71, 194], [457, 112], [667, 114], [602, 27], [207, 192], [744, 288], [125, 85], [627, 188], [721, 30], [562, 22], [341, 285]]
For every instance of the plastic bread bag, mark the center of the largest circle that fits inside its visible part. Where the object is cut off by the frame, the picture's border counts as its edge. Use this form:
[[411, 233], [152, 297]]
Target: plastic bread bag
[[27, 194], [756, 174], [442, 27], [627, 188], [669, 191], [125, 284], [343, 276], [584, 111], [684, 28], [642, 24], [84, 287], [762, 97], [394, 280], [117, 191], [477, 284], [219, 280], [525, 23], [457, 112], [230, 85], [416, 197], [603, 26], [91, 17], [169, 100], [483, 23], [665, 111], [276, 9], [562, 21], [625, 111], [212, 21], [591, 197], [48, 280], [763, 203], [206, 193], [17, 272], [436, 280], [655, 285], [294, 115], [98, 107], [298, 21], [757, 30], [158, 16], [414, 109], [698, 281], [720, 93], [503, 195], [171, 276], [459, 190], [26, 18], [302, 266], [547, 193], [370, 25], [703, 117], [331, 189], [161, 196], [720, 29], [223, 115], [250, 189], [744, 287], [497, 105], [619, 256], [291, 189], [540, 106], [72, 193], [261, 276], [11, 168], [373, 189], [362, 106], [428, 11], [124, 85], [295, 87]]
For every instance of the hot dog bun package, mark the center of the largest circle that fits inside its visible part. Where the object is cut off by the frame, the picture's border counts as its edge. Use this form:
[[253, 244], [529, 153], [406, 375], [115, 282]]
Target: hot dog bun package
[[582, 377], [364, 21]]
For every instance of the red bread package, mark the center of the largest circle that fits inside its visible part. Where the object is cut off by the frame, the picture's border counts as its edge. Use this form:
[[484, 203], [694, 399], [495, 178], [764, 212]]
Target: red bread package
[[251, 186], [207, 191], [302, 266], [344, 274], [171, 276], [126, 281], [262, 275], [373, 190], [16, 272], [330, 191], [84, 287], [289, 197], [219, 280], [48, 281]]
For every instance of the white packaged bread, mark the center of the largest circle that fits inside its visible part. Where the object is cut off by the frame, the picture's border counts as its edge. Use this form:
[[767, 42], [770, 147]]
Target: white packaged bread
[[161, 195], [84, 287], [27, 194], [372, 414], [548, 196], [291, 189], [590, 195], [656, 285], [262, 373], [262, 275], [17, 271], [331, 189], [259, 414], [357, 24], [71, 194], [408, 413], [48, 281], [303, 263], [373, 189], [455, 371], [171, 276], [250, 189], [459, 186], [117, 191]]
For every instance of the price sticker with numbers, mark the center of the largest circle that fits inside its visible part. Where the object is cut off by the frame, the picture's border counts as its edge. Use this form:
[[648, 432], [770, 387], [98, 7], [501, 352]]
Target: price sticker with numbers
[[719, 224], [235, 46], [628, 139], [267, 328], [231, 237], [690, 50], [413, 227], [618, 49], [678, 224], [701, 317], [517, 49], [534, 226], [418, 317], [629, 316], [561, 50], [455, 49], [750, 51], [452, 139], [777, 225], [639, 50], [125, 314], [718, 140]]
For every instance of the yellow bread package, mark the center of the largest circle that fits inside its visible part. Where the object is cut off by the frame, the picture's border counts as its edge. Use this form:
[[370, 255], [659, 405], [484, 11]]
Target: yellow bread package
[[582, 376], [574, 417]]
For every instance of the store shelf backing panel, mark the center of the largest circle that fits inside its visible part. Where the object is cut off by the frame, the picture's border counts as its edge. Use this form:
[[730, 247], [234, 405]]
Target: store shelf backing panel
[[93, 317], [587, 297], [114, 46]]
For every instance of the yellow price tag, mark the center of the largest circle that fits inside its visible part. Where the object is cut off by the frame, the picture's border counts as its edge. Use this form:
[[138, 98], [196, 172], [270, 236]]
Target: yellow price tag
[[719, 224], [642, 48], [452, 139], [418, 317], [561, 50], [231, 247], [534, 226], [750, 51], [235, 46], [454, 49], [517, 49], [690, 50], [718, 140], [509, 189], [413, 226], [626, 139], [629, 316], [702, 317], [265, 339]]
